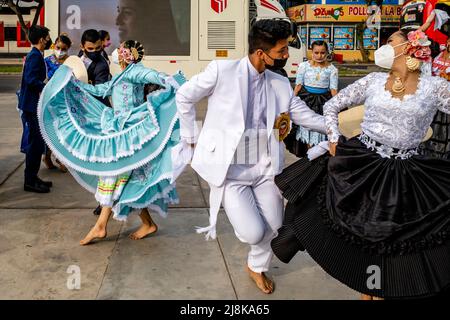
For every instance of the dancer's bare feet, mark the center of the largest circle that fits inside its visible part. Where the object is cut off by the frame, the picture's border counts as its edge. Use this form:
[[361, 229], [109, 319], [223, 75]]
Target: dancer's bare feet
[[62, 167], [147, 228], [144, 231], [48, 162], [95, 233], [367, 297], [262, 281]]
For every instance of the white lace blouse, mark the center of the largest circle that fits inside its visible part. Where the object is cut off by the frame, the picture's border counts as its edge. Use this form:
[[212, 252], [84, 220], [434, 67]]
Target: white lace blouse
[[396, 123]]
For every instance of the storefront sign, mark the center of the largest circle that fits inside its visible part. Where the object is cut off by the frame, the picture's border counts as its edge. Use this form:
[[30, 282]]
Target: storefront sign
[[340, 13]]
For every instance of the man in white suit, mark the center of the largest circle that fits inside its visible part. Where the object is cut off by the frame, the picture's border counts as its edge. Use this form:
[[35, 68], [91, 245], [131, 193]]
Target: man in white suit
[[239, 150]]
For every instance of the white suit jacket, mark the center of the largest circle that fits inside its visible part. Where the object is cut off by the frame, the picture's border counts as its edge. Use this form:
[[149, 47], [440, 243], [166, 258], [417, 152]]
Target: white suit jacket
[[225, 83]]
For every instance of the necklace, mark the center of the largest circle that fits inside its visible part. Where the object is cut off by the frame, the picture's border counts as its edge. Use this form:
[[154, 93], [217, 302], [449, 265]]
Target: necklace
[[398, 87], [318, 71]]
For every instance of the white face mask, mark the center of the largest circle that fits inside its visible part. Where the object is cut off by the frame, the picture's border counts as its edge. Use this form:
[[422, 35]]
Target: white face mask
[[385, 55], [115, 56], [59, 54]]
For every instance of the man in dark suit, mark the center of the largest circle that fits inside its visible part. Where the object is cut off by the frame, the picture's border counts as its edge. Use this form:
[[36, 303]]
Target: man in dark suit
[[96, 65], [33, 82]]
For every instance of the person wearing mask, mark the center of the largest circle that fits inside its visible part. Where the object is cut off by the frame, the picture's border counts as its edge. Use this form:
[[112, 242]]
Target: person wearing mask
[[91, 55], [377, 219], [53, 62], [97, 67], [239, 149], [33, 82], [106, 43], [316, 83]]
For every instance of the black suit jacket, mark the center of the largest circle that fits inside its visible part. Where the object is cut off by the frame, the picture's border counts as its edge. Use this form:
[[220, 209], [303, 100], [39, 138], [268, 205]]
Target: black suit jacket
[[98, 73], [33, 77]]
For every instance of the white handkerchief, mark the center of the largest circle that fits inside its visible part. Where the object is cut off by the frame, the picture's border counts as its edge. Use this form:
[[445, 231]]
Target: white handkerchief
[[181, 156], [318, 150]]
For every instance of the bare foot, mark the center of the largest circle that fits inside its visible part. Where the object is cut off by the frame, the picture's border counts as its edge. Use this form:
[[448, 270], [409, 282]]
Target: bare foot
[[262, 281], [367, 297], [62, 167], [95, 233], [144, 230], [48, 162]]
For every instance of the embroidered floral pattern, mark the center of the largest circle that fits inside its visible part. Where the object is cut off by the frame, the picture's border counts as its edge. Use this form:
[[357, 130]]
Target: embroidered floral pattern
[[386, 151]]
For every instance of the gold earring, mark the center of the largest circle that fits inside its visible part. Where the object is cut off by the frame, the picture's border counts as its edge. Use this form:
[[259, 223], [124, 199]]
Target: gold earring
[[412, 64]]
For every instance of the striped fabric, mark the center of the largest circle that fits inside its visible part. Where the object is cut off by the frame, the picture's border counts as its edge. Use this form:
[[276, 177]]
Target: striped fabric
[[109, 189]]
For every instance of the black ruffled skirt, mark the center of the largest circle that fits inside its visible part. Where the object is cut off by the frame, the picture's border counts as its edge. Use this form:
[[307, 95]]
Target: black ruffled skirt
[[315, 102], [361, 216], [439, 145]]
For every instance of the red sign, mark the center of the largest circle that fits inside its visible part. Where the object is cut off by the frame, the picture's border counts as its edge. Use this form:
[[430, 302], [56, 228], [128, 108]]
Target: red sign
[[2, 34], [219, 6], [22, 43]]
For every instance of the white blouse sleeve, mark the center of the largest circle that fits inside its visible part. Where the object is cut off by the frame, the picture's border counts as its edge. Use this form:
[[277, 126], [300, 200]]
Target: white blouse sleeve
[[300, 79], [352, 95], [334, 78]]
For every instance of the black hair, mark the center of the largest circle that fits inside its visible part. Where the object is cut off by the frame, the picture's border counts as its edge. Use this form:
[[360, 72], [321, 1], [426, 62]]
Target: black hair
[[103, 34], [37, 33], [320, 43], [64, 38], [136, 48], [265, 34], [404, 32], [90, 35]]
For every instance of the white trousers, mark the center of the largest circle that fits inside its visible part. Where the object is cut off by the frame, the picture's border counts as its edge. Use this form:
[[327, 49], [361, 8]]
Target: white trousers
[[254, 207]]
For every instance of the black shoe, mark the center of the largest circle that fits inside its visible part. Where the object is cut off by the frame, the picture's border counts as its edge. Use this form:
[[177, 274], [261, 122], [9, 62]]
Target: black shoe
[[48, 184], [36, 187], [97, 210]]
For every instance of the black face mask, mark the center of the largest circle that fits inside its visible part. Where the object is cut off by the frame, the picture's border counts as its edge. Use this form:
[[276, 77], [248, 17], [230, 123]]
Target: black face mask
[[277, 63], [48, 44], [94, 56]]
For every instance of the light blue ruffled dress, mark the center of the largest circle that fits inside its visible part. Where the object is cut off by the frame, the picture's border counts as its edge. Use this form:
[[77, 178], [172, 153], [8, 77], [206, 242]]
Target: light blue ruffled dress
[[317, 82], [121, 154]]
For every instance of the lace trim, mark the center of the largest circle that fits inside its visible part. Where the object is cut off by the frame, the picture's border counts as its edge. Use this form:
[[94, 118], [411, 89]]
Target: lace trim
[[75, 167], [381, 247], [386, 151]]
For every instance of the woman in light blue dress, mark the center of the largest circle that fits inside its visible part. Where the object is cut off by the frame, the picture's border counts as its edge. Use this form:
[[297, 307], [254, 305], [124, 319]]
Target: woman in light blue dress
[[316, 83], [121, 154]]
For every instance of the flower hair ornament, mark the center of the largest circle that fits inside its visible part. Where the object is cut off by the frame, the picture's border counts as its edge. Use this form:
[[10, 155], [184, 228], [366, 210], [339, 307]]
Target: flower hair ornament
[[418, 50], [131, 51]]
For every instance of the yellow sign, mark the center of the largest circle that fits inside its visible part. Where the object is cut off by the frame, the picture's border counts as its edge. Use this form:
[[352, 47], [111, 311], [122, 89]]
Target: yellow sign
[[221, 53], [340, 13]]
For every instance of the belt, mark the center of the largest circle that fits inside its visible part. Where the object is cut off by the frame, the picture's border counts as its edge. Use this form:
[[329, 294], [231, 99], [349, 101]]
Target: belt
[[386, 151]]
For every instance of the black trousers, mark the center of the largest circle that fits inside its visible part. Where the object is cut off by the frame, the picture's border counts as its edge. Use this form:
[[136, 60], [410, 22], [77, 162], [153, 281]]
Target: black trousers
[[36, 147]]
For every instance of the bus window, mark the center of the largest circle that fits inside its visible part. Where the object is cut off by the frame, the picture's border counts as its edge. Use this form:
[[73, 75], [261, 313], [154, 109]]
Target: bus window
[[163, 26]]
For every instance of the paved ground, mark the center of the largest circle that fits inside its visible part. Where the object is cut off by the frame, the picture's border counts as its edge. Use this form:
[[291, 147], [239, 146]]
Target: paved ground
[[39, 237]]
